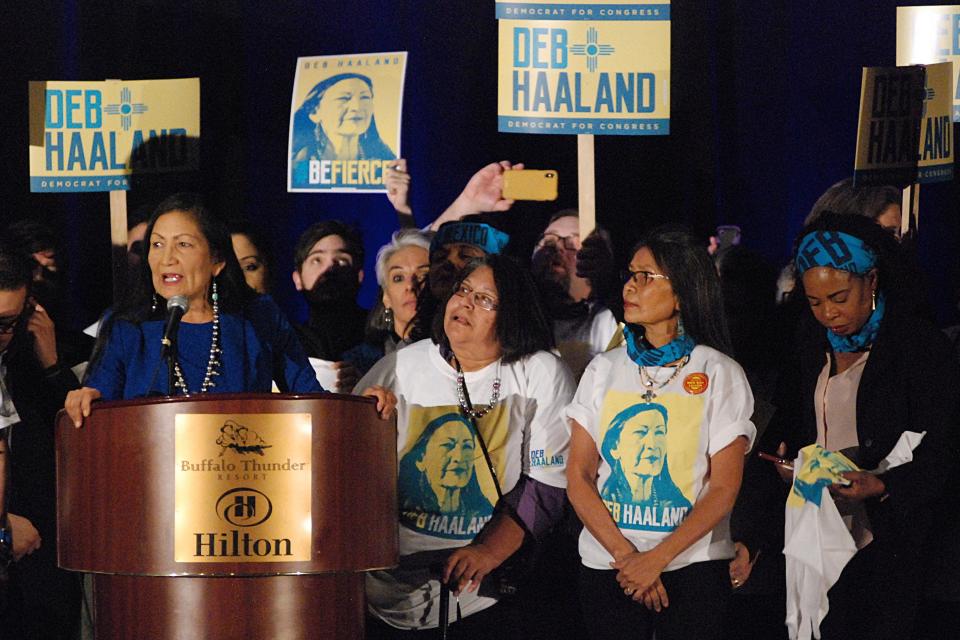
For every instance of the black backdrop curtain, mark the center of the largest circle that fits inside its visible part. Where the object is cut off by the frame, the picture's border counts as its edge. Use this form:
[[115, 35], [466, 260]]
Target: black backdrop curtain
[[764, 106]]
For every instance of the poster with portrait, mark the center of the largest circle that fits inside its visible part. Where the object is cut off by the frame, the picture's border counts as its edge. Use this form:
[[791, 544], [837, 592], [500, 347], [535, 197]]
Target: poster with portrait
[[651, 449], [927, 35], [578, 67], [345, 120], [446, 490], [92, 136]]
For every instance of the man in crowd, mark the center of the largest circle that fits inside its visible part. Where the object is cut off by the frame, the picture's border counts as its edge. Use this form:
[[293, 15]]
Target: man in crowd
[[576, 280], [328, 271], [42, 601]]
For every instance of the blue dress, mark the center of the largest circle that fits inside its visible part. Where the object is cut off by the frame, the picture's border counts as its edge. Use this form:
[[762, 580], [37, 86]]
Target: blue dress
[[258, 346]]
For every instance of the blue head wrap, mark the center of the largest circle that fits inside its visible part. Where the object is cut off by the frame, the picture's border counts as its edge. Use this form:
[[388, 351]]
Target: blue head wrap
[[842, 251], [834, 249], [478, 234]]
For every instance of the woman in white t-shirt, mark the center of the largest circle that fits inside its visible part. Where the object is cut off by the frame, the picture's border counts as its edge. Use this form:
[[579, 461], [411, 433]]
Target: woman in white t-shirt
[[486, 378], [659, 431]]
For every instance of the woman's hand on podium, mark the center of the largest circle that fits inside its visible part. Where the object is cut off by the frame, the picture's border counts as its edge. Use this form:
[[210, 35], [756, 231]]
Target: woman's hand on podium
[[78, 403], [386, 400]]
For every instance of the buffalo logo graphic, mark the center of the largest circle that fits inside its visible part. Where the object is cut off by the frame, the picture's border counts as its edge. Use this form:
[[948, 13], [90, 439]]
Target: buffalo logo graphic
[[241, 439]]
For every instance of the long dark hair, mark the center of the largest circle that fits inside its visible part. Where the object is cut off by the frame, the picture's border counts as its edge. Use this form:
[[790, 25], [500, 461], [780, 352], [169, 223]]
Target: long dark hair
[[522, 327], [309, 135], [138, 305], [695, 282]]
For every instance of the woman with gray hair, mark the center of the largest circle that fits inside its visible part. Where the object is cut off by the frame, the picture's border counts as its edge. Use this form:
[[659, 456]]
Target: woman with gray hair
[[402, 264]]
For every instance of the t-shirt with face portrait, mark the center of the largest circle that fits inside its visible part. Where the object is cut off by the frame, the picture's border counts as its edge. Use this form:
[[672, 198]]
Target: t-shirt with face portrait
[[655, 452], [446, 492]]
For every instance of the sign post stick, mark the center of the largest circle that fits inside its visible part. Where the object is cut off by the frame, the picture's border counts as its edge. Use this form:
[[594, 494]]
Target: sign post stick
[[586, 183], [118, 242], [910, 210]]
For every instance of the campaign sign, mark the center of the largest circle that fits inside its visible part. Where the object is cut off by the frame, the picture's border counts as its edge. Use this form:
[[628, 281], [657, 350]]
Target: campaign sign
[[91, 136], [888, 134], [345, 121], [599, 68], [928, 35], [935, 162]]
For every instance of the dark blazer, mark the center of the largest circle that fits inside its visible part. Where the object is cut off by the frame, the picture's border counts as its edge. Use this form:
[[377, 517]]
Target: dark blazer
[[37, 395], [909, 383]]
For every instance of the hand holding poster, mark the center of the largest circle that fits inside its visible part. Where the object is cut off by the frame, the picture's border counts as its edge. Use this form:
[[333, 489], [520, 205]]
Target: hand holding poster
[[91, 136], [345, 121]]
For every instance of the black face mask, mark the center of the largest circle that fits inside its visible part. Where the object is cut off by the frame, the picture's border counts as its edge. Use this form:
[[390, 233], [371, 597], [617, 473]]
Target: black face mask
[[442, 277], [553, 286], [47, 291], [338, 285]]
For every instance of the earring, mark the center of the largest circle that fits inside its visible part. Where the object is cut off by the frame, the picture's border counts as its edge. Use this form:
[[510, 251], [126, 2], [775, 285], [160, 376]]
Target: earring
[[680, 331], [214, 296], [156, 303], [873, 300], [388, 318]]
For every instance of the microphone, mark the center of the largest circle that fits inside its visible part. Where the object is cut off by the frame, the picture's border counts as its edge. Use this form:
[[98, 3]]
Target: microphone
[[176, 307]]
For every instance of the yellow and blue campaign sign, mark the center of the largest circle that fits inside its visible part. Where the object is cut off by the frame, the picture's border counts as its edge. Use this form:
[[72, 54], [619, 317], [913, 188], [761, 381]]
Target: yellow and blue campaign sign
[[345, 121], [579, 67], [905, 132], [935, 161], [888, 133], [91, 136], [927, 35]]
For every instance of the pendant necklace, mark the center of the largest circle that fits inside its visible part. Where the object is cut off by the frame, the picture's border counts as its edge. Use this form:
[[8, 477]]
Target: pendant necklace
[[652, 385]]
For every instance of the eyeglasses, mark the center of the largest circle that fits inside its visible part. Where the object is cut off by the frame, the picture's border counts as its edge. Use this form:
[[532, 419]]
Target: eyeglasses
[[482, 300], [570, 243], [641, 278], [9, 323]]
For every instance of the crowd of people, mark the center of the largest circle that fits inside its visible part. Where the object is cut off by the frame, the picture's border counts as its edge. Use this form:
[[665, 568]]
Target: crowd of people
[[577, 432]]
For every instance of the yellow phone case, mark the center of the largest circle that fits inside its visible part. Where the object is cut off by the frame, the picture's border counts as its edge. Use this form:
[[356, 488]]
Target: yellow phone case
[[530, 184]]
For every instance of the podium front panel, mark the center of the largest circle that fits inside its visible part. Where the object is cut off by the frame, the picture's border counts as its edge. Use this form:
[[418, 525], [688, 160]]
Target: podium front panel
[[228, 485]]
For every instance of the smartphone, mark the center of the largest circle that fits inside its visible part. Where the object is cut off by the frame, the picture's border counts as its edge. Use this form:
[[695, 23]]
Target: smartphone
[[786, 464], [728, 235], [530, 184]]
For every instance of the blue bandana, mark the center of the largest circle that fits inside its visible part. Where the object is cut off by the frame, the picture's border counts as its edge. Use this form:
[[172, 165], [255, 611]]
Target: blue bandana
[[834, 249], [481, 235], [845, 252], [646, 356], [862, 339]]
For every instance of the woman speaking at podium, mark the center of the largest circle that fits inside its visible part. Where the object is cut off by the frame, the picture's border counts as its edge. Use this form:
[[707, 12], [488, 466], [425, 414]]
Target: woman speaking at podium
[[230, 338]]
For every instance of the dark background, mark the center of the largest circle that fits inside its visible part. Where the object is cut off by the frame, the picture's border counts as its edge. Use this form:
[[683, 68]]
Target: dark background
[[763, 119]]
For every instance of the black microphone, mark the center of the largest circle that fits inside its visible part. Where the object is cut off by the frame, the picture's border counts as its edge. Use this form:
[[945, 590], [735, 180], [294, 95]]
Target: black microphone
[[176, 307]]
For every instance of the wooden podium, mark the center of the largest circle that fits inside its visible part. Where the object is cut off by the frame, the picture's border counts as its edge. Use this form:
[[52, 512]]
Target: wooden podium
[[182, 508]]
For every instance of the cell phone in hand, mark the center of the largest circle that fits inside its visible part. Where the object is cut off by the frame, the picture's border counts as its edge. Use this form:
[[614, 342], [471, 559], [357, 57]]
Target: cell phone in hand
[[728, 235], [530, 184]]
